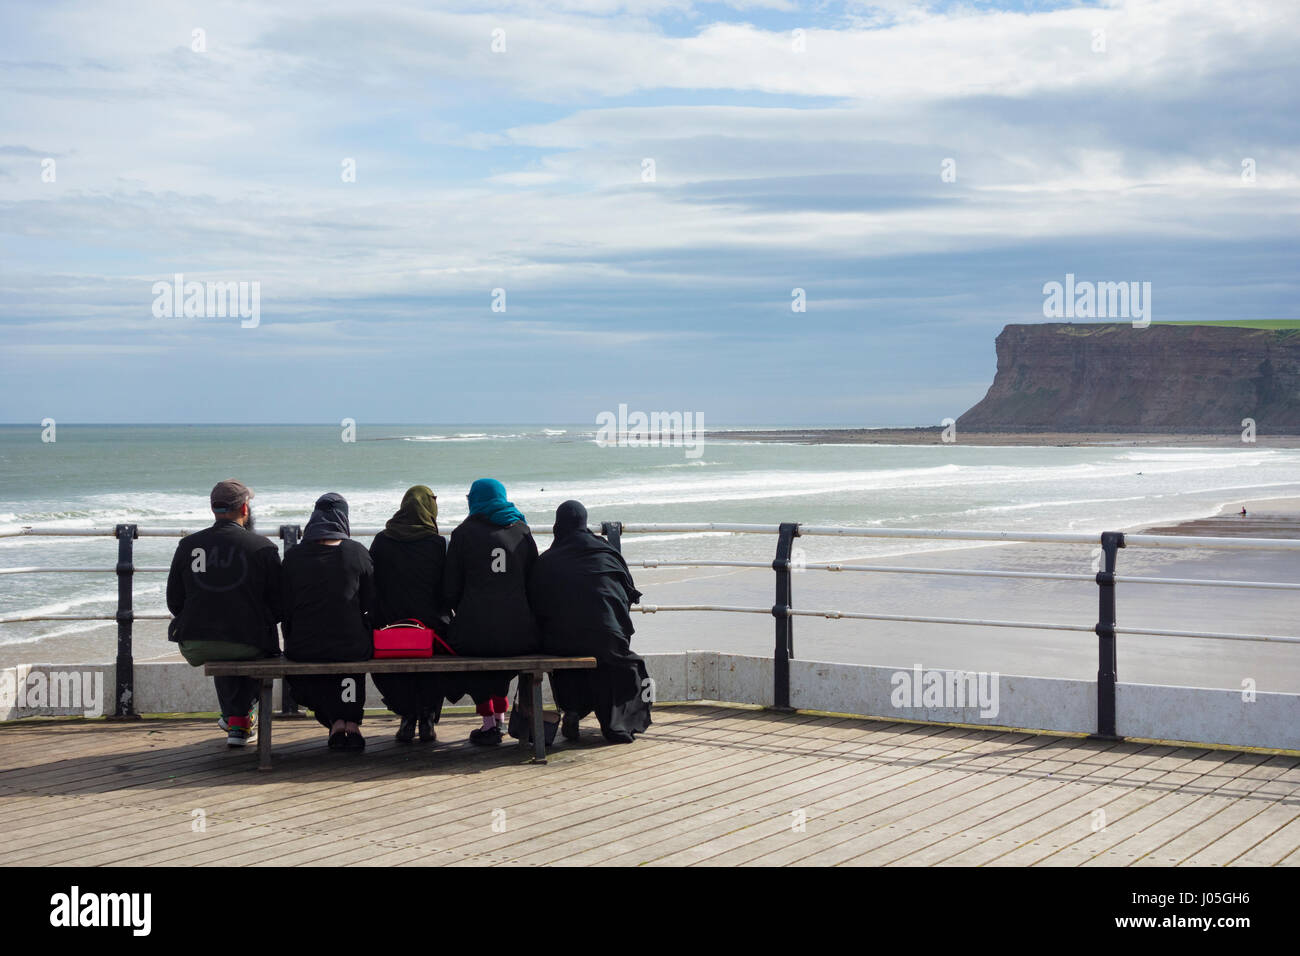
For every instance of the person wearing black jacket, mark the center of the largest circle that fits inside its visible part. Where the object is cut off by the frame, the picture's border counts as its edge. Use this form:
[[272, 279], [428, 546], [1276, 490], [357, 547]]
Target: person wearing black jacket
[[223, 590], [489, 560], [580, 591], [409, 555], [328, 594]]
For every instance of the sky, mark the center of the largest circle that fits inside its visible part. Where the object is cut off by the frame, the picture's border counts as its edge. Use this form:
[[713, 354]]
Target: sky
[[646, 182]]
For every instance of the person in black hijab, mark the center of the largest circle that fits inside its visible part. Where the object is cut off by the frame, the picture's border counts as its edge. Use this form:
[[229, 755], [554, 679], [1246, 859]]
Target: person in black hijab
[[409, 556], [580, 592], [328, 593], [489, 560]]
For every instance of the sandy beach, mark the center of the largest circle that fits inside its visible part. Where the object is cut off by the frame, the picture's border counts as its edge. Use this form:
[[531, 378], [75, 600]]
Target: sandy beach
[[934, 436]]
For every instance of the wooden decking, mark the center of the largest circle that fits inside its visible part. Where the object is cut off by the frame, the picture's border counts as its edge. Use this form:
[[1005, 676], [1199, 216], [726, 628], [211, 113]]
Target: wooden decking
[[708, 785]]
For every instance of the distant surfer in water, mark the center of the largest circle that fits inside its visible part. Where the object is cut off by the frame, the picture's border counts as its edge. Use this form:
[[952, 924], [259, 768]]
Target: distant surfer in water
[[1243, 511]]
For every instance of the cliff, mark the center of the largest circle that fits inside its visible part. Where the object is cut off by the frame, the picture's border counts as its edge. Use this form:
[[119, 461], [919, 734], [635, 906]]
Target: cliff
[[1163, 378]]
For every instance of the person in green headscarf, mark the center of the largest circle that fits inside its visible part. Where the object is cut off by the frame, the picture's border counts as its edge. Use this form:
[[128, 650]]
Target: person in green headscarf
[[409, 556]]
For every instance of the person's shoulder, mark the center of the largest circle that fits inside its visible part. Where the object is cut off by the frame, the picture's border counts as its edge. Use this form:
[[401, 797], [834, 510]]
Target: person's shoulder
[[354, 547], [260, 542], [470, 525], [196, 537]]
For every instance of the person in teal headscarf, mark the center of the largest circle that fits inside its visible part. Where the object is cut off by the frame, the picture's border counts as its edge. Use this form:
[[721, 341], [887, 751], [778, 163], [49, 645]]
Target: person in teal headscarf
[[487, 497], [489, 561]]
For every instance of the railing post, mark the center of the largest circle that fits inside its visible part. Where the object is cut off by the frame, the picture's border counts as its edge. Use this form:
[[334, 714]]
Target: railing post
[[289, 534], [784, 621], [1107, 662], [612, 531], [124, 708]]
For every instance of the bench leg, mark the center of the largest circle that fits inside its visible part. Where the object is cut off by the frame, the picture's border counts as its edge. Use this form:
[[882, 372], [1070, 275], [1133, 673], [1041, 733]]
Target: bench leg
[[264, 726], [539, 731]]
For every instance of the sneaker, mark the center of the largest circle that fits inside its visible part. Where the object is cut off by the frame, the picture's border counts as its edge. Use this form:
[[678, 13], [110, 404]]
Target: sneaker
[[238, 732], [338, 741], [355, 741], [486, 738], [427, 734], [224, 726]]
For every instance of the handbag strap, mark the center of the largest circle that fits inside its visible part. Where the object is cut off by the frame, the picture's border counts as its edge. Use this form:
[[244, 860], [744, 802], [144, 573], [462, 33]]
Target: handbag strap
[[407, 622], [444, 644]]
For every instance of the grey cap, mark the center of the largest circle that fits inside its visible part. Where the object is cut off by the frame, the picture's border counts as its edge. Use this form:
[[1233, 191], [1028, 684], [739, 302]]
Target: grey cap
[[228, 495]]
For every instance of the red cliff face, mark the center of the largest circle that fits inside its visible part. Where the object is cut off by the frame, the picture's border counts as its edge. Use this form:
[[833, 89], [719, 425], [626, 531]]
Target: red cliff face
[[1164, 378]]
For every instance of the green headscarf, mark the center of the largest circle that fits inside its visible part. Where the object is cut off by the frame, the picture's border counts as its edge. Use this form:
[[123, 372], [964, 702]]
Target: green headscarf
[[418, 516]]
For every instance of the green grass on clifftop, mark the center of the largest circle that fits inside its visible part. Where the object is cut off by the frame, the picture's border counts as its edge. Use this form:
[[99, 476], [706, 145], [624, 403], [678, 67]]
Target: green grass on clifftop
[[1243, 323]]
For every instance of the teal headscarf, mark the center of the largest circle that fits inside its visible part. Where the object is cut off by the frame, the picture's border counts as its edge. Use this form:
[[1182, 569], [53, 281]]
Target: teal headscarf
[[487, 497]]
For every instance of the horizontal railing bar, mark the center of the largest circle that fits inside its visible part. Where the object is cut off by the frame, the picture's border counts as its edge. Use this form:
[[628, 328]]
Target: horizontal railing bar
[[79, 570], [1048, 537], [654, 608], [1216, 544], [965, 572], [911, 618], [1157, 632], [143, 532], [1054, 537], [956, 572], [658, 563], [1209, 583], [1051, 576], [857, 615], [80, 617]]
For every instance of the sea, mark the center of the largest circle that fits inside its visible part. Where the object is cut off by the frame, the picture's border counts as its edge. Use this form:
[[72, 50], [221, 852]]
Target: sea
[[95, 476]]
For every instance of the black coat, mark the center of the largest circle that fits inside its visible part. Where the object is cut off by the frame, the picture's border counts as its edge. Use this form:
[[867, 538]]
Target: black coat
[[580, 592], [408, 581], [486, 584], [236, 597], [328, 594]]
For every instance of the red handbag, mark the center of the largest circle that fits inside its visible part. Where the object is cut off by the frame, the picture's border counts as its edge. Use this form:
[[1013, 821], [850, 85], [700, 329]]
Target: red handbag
[[408, 638]]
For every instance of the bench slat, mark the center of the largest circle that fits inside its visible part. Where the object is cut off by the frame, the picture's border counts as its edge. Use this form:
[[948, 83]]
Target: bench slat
[[279, 666]]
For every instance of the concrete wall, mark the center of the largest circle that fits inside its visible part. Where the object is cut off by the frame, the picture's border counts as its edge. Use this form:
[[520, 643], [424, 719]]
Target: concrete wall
[[1033, 703]]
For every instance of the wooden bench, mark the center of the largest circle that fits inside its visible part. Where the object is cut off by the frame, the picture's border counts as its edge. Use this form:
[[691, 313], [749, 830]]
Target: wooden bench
[[530, 671]]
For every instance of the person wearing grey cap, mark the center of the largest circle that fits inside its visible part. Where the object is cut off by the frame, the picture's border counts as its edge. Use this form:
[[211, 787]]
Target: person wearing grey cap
[[224, 592]]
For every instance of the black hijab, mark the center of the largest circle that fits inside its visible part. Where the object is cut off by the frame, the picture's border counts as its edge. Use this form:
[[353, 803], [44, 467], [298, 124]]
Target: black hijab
[[329, 521], [569, 517], [581, 552]]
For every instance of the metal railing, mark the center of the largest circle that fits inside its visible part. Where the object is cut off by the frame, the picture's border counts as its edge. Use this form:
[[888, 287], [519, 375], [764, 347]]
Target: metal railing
[[782, 610]]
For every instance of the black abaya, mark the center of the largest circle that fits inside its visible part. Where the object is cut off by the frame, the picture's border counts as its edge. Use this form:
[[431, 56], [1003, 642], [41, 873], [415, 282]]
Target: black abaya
[[580, 592]]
